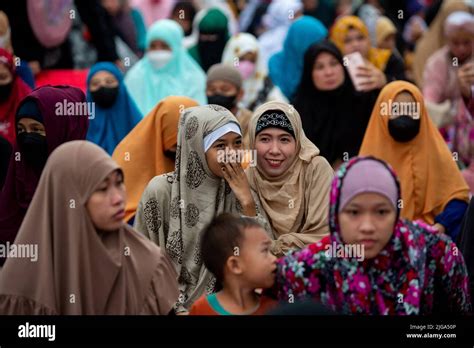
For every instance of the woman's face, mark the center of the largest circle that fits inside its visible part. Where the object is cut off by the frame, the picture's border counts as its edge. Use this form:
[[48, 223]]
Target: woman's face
[[30, 125], [102, 79], [5, 75], [460, 45], [328, 73], [355, 41], [368, 219], [276, 150], [389, 42], [228, 142], [106, 206], [158, 45]]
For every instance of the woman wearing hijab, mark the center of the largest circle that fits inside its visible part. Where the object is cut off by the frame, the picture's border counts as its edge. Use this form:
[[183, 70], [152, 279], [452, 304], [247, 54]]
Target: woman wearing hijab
[[401, 133], [291, 179], [41, 128], [333, 113], [434, 38], [213, 29], [91, 262], [166, 69], [21, 66], [115, 111], [286, 66], [351, 35], [448, 80], [207, 181], [373, 262], [243, 52], [150, 148], [277, 20], [12, 91]]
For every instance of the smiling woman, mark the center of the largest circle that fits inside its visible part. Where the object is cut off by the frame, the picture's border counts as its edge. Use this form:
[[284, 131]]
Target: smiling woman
[[292, 181]]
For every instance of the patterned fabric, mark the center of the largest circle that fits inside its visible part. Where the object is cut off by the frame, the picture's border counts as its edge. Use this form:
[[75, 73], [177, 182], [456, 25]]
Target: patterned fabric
[[175, 207], [274, 119], [417, 270]]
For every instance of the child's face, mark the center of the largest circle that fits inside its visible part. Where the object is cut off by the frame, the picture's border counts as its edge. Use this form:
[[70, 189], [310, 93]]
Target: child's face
[[258, 264], [368, 219]]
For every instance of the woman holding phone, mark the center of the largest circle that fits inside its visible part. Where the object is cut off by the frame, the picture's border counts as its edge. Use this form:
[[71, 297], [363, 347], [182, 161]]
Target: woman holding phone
[[351, 35], [333, 113]]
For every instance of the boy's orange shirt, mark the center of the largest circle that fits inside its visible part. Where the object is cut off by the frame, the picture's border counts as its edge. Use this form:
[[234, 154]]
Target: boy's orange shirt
[[208, 305]]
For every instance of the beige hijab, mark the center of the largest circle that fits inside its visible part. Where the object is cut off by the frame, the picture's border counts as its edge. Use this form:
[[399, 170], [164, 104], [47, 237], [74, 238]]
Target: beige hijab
[[175, 207], [78, 270], [297, 202], [434, 38]]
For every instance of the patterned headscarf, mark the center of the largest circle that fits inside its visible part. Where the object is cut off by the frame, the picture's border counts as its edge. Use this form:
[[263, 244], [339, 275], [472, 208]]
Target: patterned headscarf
[[400, 280], [175, 207]]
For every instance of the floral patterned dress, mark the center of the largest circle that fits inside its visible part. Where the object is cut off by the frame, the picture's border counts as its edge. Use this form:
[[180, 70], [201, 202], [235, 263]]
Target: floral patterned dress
[[420, 271]]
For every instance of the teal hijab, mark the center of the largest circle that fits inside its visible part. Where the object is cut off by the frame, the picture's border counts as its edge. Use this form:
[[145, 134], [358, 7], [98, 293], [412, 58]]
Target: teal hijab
[[180, 76]]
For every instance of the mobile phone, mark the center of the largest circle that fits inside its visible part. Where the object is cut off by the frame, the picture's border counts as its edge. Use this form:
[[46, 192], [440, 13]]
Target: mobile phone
[[352, 61]]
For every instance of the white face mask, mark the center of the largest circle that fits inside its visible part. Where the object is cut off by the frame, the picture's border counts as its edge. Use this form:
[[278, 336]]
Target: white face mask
[[159, 58], [4, 38]]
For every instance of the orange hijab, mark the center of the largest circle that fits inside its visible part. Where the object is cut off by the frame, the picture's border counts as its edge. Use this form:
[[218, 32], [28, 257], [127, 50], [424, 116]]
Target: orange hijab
[[377, 56], [141, 152], [428, 175]]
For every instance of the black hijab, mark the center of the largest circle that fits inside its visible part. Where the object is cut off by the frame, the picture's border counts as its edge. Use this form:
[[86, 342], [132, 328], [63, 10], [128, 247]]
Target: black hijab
[[333, 120]]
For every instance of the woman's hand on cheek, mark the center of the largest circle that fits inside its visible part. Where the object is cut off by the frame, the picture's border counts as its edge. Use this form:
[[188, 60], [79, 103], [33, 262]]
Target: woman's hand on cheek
[[235, 176]]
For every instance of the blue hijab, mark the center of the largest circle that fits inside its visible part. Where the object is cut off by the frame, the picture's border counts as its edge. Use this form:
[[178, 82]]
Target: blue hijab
[[109, 126], [181, 76], [286, 66]]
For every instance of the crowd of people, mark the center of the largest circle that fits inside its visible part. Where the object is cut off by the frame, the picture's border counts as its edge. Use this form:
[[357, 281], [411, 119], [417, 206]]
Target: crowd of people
[[237, 157]]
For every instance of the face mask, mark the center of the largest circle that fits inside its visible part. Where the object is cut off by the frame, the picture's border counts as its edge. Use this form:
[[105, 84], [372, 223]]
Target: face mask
[[105, 97], [33, 148], [226, 101], [170, 154], [159, 58], [403, 128], [5, 91], [246, 69]]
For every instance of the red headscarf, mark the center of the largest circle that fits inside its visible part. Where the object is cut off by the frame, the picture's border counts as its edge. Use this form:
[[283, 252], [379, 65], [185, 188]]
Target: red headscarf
[[9, 106]]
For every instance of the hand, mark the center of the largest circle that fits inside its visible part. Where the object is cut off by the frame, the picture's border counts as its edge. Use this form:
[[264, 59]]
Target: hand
[[371, 77], [235, 176], [466, 79], [439, 227]]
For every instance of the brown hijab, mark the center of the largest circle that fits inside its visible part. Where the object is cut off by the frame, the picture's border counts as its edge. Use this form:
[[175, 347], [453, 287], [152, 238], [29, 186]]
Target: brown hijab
[[296, 202], [78, 270]]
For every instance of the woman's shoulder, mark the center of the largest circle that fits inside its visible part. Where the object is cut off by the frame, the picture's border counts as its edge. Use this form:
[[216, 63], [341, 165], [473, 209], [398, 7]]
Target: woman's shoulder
[[160, 185]]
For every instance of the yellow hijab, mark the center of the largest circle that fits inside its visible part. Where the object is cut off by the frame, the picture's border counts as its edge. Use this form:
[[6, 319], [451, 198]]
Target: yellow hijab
[[377, 56], [141, 152], [428, 175]]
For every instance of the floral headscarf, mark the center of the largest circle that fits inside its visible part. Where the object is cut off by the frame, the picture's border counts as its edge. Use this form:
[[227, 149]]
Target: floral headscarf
[[418, 272]]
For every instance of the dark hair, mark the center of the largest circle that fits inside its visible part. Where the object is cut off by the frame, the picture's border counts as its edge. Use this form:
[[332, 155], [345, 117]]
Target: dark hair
[[219, 239]]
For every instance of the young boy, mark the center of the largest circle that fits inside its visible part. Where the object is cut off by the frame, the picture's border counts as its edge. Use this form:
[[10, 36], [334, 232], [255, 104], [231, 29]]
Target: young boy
[[237, 251]]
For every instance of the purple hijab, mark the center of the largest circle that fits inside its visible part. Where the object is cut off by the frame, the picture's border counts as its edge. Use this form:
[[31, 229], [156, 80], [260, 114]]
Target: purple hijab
[[21, 179]]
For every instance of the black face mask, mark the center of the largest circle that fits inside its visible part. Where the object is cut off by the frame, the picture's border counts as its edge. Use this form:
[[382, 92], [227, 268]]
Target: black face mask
[[33, 148], [403, 128], [170, 154], [105, 96], [226, 101], [5, 91]]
